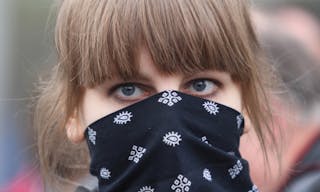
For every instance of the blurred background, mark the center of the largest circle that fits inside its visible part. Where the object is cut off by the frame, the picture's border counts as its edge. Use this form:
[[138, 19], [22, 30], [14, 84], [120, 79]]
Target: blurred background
[[27, 53]]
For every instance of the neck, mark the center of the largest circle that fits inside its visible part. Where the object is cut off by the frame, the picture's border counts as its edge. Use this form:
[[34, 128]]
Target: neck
[[297, 145], [295, 138]]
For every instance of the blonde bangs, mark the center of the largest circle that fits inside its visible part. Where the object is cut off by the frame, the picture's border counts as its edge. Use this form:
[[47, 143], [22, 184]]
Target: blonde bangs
[[99, 39]]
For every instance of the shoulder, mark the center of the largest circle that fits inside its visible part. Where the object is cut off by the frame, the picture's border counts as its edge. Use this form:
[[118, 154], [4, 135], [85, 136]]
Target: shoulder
[[88, 184], [308, 182], [308, 171]]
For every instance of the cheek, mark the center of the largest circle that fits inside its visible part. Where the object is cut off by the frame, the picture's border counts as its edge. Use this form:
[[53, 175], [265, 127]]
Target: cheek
[[231, 97], [96, 106]]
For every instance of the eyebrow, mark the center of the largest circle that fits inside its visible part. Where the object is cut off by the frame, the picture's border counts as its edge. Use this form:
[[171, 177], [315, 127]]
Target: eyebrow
[[136, 77], [146, 78]]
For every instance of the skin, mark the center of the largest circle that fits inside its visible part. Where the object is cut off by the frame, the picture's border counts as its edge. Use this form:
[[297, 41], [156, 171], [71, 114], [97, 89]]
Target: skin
[[116, 93], [294, 136]]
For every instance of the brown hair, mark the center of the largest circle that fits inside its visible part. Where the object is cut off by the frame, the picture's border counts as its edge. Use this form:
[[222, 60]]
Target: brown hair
[[97, 39]]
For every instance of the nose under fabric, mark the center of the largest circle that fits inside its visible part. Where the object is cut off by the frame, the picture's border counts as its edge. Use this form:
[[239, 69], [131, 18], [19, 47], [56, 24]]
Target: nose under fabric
[[169, 142]]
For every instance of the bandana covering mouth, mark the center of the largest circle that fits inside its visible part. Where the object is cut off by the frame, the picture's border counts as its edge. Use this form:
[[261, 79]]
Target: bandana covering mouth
[[169, 142]]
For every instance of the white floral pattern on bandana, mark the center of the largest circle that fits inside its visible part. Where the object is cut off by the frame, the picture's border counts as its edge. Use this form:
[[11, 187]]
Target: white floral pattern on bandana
[[181, 184], [136, 153], [92, 135], [146, 189], [211, 107], [239, 121], [123, 118], [169, 98], [207, 174], [172, 139], [178, 139], [105, 173], [254, 189], [235, 170], [205, 140]]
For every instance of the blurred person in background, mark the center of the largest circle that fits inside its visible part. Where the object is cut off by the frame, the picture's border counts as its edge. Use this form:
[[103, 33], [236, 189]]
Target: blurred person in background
[[303, 26], [294, 58], [296, 22]]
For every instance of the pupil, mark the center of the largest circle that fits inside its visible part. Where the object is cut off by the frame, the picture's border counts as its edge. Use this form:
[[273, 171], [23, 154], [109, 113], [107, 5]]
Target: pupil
[[199, 85], [128, 90]]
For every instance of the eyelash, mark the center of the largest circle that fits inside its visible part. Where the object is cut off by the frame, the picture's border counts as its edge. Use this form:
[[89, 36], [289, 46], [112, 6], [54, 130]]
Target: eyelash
[[114, 88], [214, 81], [146, 88]]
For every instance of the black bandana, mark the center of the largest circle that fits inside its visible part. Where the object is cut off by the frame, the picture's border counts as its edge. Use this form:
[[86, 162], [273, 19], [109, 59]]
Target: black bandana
[[169, 142]]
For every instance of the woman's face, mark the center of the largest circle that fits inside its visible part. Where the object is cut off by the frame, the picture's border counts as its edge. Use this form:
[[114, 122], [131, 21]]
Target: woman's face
[[116, 93]]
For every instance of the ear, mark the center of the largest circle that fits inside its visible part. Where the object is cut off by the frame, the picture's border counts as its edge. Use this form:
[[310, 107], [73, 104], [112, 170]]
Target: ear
[[74, 129], [247, 122]]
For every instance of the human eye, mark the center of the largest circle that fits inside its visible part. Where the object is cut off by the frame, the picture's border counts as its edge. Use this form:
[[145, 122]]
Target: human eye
[[128, 92], [202, 87]]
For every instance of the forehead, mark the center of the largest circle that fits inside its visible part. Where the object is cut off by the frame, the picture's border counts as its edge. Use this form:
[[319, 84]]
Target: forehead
[[181, 37]]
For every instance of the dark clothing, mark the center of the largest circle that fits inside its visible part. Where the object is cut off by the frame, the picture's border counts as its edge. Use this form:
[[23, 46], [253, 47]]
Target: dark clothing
[[306, 175]]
